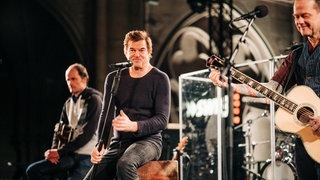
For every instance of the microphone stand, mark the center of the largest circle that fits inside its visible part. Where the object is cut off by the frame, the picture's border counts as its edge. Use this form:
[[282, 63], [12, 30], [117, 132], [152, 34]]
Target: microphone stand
[[227, 72], [107, 125]]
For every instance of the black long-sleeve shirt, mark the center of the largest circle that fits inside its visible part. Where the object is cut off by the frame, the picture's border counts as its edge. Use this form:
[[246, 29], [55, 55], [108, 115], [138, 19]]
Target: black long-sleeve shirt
[[145, 100]]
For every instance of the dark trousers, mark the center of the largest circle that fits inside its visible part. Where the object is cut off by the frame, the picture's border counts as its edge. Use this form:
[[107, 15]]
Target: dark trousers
[[307, 168], [76, 165], [123, 159]]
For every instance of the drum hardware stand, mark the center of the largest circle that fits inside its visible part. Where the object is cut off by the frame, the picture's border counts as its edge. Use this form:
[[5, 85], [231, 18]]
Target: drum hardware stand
[[254, 173], [249, 158], [284, 151], [249, 155]]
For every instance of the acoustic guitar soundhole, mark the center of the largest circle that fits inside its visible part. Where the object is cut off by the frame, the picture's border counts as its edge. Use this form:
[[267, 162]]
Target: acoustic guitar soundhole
[[303, 114]]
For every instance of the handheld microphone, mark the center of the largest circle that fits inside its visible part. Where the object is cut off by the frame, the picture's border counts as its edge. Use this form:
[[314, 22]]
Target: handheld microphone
[[259, 11], [121, 64]]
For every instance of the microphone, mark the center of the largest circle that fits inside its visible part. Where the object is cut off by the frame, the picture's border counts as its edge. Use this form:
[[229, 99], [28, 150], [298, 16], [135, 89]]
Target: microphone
[[121, 64], [259, 11]]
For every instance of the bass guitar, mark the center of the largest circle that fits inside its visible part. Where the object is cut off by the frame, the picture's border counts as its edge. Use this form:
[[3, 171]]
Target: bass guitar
[[294, 109]]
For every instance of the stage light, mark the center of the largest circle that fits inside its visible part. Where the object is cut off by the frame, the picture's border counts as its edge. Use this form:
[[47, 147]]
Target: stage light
[[236, 108], [236, 120]]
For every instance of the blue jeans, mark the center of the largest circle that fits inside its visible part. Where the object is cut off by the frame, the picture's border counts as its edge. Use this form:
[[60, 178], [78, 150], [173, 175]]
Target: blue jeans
[[123, 159], [306, 167], [77, 167]]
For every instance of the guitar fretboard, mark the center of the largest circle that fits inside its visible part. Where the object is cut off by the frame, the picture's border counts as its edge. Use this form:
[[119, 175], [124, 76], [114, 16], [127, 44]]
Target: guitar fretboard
[[267, 92]]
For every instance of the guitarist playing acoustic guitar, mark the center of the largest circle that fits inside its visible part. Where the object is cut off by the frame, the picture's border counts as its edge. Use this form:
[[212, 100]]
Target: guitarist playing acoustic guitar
[[299, 110], [75, 133]]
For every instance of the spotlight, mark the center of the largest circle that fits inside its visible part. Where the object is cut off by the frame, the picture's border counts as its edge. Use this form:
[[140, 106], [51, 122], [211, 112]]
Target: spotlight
[[236, 108]]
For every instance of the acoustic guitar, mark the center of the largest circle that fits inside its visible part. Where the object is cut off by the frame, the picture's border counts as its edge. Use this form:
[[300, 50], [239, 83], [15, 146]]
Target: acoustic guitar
[[294, 109], [63, 133]]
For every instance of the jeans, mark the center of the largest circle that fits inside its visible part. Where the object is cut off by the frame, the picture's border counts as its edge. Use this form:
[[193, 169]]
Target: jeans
[[306, 167], [123, 159], [77, 167]]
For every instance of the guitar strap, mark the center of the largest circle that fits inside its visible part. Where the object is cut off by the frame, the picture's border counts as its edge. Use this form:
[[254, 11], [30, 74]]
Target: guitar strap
[[295, 58]]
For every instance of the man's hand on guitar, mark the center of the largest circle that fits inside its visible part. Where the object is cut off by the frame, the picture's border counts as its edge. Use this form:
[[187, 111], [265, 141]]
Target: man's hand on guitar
[[216, 78], [52, 155], [315, 124], [96, 155]]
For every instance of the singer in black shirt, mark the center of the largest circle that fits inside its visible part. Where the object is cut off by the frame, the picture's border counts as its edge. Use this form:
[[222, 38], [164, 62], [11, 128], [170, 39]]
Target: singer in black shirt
[[139, 112]]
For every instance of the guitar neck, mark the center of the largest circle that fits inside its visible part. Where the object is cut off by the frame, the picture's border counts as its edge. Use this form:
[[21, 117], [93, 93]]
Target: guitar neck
[[278, 98]]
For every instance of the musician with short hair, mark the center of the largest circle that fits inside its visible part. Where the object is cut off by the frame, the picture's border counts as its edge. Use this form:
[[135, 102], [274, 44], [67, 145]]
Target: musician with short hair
[[301, 67], [75, 134], [136, 114]]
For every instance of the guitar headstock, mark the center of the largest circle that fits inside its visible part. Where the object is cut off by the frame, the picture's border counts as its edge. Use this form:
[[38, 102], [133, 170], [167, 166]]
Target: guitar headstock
[[182, 143], [215, 62], [179, 148]]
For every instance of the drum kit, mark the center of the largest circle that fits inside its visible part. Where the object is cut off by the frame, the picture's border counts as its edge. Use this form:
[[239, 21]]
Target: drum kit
[[256, 130]]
